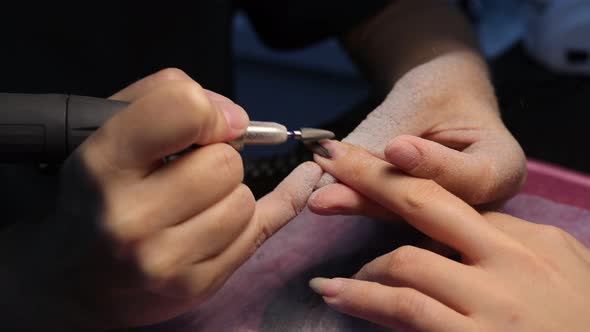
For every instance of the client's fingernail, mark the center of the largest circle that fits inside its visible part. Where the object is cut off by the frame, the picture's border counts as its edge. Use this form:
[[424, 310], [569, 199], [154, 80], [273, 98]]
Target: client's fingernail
[[334, 148], [236, 116], [403, 155], [326, 287], [318, 149]]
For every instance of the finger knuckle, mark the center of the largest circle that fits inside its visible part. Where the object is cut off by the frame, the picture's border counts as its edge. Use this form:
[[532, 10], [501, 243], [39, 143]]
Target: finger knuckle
[[408, 305], [418, 195], [510, 315], [488, 189], [553, 234], [124, 227], [534, 263], [263, 234], [159, 266], [492, 215], [239, 211], [402, 259], [121, 232], [360, 167], [228, 163], [356, 171], [199, 284], [288, 199], [436, 171], [496, 218], [215, 162], [190, 104], [97, 156], [170, 74], [203, 283], [366, 272], [245, 202]]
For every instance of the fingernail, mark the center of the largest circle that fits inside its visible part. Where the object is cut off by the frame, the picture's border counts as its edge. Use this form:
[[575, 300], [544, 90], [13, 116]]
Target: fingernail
[[318, 149], [236, 116], [403, 155], [326, 287], [335, 149]]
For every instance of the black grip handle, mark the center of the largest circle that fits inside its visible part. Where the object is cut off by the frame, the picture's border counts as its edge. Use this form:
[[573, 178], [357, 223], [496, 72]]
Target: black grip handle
[[46, 128], [87, 114]]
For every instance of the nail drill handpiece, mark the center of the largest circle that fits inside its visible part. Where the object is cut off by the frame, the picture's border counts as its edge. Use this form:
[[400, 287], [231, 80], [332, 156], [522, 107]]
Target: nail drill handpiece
[[47, 128]]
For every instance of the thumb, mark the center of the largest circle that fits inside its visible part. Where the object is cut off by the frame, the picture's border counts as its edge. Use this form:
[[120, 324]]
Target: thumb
[[273, 211], [287, 200], [476, 175]]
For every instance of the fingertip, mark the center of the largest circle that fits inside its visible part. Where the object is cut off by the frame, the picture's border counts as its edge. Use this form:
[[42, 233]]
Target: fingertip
[[403, 153], [333, 199], [316, 203], [300, 183], [310, 171], [236, 117], [325, 180], [328, 288]]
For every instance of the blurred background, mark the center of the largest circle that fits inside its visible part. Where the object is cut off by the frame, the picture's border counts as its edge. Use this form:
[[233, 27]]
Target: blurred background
[[312, 85], [537, 50]]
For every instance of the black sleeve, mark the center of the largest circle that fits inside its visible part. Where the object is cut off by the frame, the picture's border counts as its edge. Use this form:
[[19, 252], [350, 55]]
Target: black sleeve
[[285, 24]]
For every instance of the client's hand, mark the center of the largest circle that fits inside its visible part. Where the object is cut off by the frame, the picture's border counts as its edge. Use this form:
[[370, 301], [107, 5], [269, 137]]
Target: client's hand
[[514, 275], [441, 122]]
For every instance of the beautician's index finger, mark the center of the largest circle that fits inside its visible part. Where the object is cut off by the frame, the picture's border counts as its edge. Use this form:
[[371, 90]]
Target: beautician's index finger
[[421, 202]]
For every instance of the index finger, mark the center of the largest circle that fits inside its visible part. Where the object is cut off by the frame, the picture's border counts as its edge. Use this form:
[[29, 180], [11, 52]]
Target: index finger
[[421, 202], [165, 121]]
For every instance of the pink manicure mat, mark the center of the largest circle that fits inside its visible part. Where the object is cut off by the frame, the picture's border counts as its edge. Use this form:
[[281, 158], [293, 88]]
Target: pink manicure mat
[[270, 293]]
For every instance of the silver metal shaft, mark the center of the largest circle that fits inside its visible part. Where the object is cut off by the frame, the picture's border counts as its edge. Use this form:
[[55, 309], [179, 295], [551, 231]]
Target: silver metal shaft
[[262, 133], [272, 133]]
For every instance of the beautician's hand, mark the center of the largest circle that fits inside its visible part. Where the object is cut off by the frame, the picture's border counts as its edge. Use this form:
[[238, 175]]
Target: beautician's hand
[[137, 241], [514, 275], [441, 122]]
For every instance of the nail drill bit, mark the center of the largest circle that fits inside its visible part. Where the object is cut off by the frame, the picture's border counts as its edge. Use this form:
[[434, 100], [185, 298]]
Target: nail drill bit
[[310, 134], [271, 133], [310, 137]]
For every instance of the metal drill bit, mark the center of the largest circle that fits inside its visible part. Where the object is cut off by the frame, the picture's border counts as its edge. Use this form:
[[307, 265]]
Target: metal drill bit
[[310, 137], [310, 134]]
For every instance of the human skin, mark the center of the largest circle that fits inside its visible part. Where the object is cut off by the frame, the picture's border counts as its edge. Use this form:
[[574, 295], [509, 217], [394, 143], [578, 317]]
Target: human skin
[[439, 118], [513, 275], [134, 240]]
